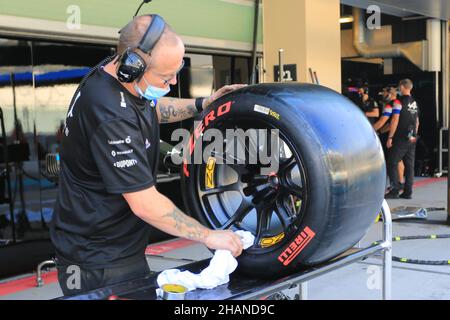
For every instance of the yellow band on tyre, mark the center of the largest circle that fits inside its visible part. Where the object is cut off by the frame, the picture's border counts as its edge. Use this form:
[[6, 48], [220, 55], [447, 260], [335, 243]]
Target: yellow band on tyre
[[209, 173], [268, 242]]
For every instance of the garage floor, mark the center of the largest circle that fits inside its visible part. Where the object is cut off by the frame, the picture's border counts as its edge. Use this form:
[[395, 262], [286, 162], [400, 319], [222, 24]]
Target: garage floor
[[357, 281]]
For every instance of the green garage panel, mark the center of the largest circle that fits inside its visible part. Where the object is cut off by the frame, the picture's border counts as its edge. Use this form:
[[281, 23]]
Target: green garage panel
[[216, 19]]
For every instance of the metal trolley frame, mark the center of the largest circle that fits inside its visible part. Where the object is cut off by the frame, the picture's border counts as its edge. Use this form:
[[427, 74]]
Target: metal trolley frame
[[245, 288]]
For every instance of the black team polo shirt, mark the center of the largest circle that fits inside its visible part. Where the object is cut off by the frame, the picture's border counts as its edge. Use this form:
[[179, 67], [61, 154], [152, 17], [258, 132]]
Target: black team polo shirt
[[110, 146]]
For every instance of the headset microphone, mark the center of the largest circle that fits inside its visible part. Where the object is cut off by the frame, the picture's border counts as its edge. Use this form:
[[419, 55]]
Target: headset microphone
[[139, 8]]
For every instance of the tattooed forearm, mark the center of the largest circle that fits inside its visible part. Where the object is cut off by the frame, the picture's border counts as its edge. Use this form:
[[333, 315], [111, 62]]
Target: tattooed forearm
[[174, 110], [167, 113], [186, 226]]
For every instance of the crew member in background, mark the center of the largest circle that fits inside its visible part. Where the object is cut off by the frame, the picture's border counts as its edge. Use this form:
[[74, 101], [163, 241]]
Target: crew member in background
[[368, 105], [383, 97], [402, 141], [383, 124]]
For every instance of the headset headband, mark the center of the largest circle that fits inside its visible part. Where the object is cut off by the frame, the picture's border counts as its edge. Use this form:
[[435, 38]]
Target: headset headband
[[153, 33]]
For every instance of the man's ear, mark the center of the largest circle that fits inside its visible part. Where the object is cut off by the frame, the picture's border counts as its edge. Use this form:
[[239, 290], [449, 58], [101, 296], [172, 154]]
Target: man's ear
[[148, 59]]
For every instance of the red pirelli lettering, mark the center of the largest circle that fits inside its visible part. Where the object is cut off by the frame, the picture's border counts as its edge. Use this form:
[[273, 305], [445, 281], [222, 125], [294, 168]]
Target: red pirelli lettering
[[295, 247], [225, 108], [185, 168], [209, 117]]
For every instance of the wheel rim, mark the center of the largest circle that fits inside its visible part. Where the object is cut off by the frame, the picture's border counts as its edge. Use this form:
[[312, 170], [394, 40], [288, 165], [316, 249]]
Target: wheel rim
[[270, 206]]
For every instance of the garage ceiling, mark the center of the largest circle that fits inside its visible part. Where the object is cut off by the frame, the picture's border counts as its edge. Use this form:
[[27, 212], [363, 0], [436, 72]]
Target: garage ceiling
[[402, 8]]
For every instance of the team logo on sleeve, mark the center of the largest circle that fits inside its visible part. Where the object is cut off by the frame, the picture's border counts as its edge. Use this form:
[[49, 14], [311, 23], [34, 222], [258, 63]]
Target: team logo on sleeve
[[70, 113]]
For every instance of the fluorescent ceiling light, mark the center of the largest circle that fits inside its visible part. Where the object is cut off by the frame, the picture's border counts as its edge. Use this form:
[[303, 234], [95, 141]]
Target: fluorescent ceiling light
[[346, 19]]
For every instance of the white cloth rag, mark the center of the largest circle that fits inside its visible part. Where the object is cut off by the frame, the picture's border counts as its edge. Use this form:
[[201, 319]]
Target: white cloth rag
[[217, 273]]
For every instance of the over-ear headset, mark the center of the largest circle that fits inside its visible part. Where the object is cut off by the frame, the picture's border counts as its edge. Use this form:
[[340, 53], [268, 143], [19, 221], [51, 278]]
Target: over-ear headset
[[131, 65]]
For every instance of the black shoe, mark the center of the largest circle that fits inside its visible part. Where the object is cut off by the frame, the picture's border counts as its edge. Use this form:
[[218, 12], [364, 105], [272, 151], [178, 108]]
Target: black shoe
[[406, 195], [393, 194]]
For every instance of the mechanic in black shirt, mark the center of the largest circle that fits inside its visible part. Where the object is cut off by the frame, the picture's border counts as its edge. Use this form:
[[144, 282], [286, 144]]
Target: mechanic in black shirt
[[382, 126], [402, 141], [107, 196], [368, 105], [383, 97]]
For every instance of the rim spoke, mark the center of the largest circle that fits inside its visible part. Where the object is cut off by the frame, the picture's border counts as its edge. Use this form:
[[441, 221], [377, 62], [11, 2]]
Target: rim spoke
[[294, 190], [264, 215], [254, 179], [266, 193], [249, 147], [237, 164], [220, 189], [239, 215], [282, 214], [288, 164], [226, 157], [266, 142], [239, 168], [231, 154]]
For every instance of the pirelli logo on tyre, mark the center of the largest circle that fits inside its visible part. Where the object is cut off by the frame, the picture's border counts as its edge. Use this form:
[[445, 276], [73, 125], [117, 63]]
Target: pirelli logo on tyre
[[295, 247]]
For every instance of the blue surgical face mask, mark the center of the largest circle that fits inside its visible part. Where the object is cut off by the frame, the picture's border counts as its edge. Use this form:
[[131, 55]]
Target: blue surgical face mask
[[152, 92]]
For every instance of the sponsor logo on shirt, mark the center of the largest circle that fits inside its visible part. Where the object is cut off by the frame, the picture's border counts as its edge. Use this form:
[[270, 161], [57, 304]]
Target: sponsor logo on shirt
[[125, 163], [127, 141], [119, 153], [147, 144], [123, 104], [412, 107]]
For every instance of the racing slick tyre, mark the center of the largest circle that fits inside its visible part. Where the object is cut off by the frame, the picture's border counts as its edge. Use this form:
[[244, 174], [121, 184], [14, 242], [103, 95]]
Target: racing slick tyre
[[326, 191]]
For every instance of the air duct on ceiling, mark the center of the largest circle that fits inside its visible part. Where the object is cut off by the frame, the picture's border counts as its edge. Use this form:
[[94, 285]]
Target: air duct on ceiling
[[416, 52]]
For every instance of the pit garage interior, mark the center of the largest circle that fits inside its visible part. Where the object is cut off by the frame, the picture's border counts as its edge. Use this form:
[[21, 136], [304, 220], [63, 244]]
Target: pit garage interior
[[324, 50]]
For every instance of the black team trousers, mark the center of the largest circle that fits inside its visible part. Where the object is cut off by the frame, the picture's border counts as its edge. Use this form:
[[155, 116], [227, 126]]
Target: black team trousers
[[406, 151]]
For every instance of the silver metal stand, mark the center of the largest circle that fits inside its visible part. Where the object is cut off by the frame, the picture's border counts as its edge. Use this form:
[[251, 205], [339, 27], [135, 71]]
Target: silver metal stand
[[387, 252], [442, 149], [303, 291], [39, 280], [281, 64], [301, 280], [242, 288]]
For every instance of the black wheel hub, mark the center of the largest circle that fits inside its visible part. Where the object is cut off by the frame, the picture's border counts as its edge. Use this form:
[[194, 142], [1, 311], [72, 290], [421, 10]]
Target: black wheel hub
[[274, 182], [266, 205]]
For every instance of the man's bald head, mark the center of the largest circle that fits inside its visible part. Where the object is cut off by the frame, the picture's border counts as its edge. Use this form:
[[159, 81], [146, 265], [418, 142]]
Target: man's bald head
[[132, 34]]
